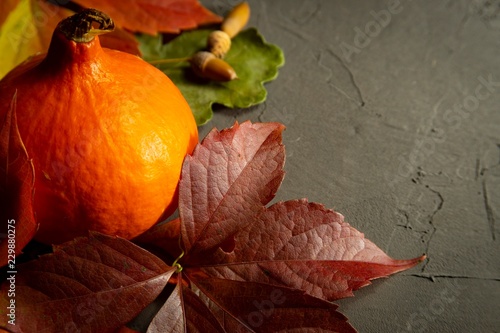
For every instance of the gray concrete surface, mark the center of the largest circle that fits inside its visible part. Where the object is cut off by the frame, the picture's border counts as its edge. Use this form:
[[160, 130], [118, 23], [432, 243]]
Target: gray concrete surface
[[393, 118]]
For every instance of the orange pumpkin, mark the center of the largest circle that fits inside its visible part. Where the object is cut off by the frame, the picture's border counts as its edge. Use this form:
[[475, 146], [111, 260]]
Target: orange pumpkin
[[107, 133]]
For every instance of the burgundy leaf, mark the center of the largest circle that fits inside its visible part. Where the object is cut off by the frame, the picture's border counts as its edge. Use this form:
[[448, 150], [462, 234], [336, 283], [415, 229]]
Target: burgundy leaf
[[227, 181], [257, 269], [17, 186], [163, 238], [170, 318], [91, 284], [305, 246], [256, 307], [245, 268], [184, 312]]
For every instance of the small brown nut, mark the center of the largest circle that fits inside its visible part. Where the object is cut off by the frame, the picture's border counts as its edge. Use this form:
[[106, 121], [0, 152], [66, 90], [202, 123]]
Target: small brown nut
[[236, 19], [219, 43], [208, 66]]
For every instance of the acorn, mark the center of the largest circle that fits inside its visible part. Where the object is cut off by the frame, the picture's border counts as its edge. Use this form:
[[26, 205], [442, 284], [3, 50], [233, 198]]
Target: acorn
[[236, 19], [219, 43], [207, 65]]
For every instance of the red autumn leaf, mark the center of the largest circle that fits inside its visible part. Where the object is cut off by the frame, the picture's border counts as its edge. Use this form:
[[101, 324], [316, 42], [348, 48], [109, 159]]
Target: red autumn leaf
[[184, 312], [249, 306], [153, 16], [227, 181], [17, 181], [91, 284], [302, 245], [287, 262], [120, 40], [162, 238]]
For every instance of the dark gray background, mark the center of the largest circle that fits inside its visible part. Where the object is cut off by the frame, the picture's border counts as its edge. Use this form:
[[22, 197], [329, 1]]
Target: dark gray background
[[402, 137]]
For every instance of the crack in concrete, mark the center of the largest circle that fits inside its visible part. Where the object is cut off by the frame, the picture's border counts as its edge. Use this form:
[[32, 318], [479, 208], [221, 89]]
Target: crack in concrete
[[261, 113], [490, 215], [489, 211], [294, 24], [421, 233], [295, 31], [307, 15], [407, 218], [329, 80], [478, 168], [433, 277], [407, 225], [350, 74], [439, 206]]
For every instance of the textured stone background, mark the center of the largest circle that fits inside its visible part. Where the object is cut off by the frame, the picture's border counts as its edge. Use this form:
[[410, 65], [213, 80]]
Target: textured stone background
[[402, 136]]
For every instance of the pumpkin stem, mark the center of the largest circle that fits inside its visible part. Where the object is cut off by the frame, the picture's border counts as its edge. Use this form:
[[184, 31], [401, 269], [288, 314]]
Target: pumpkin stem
[[79, 27]]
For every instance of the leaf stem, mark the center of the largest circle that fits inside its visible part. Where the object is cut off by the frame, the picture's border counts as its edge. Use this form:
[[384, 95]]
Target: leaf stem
[[176, 264], [169, 61]]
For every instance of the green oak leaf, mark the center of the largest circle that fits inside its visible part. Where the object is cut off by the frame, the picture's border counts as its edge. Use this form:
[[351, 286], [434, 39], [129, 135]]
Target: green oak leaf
[[254, 60]]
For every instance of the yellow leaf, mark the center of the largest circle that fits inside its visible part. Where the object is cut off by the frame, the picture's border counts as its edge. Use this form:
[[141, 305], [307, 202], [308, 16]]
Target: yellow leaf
[[6, 6], [26, 31]]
